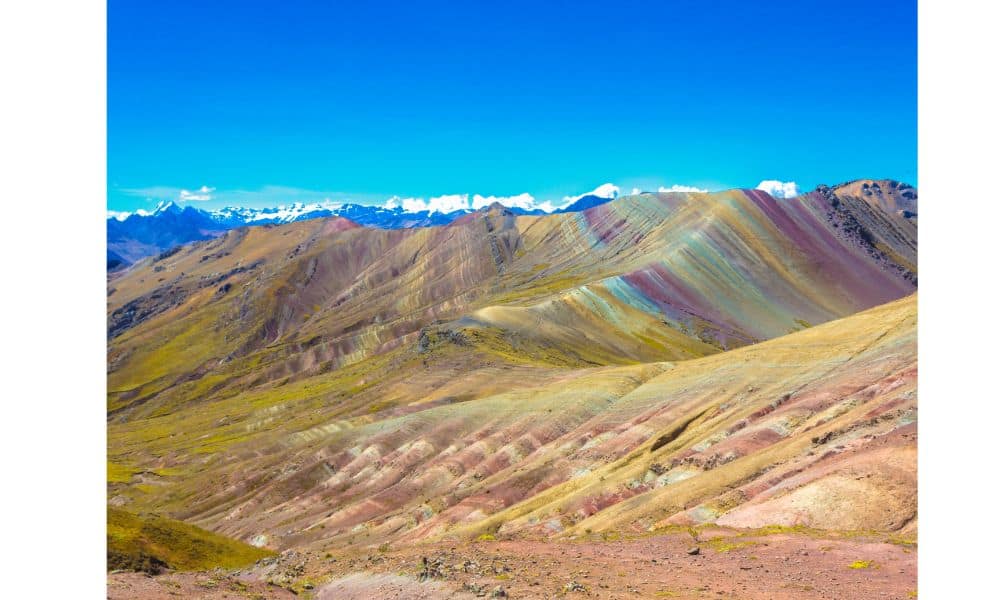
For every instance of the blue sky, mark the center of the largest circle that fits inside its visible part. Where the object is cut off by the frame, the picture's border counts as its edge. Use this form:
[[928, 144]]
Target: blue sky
[[256, 104]]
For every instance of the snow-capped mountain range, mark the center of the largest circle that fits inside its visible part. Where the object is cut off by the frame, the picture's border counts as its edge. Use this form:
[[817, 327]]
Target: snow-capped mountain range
[[133, 236], [452, 204]]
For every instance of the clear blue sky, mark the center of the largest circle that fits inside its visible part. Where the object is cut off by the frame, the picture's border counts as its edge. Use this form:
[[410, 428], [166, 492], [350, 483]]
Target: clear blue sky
[[292, 100]]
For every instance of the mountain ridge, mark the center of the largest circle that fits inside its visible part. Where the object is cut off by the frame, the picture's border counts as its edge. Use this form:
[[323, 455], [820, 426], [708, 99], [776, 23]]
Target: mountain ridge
[[133, 236]]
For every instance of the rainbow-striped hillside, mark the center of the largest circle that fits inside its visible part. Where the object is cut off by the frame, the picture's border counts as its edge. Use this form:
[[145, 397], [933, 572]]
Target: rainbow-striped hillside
[[681, 359]]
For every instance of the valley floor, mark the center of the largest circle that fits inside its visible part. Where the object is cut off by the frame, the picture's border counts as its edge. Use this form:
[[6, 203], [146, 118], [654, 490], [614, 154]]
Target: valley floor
[[728, 564]]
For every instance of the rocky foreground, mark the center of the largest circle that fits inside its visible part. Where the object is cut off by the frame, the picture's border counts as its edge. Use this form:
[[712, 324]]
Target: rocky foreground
[[710, 563]]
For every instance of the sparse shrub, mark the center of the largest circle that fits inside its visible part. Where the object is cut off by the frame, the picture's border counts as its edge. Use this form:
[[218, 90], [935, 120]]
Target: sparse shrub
[[138, 561]]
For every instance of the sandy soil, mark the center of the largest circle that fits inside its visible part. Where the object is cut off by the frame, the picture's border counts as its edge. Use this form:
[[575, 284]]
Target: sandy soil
[[364, 586], [771, 567], [132, 586]]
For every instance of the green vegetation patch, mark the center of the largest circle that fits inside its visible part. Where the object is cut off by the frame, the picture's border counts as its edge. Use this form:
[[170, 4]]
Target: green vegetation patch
[[152, 544], [722, 544], [119, 473]]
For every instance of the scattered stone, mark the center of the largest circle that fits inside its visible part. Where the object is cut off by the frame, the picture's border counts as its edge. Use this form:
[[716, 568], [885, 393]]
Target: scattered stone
[[431, 569], [826, 437], [470, 566], [694, 551], [475, 588], [498, 592]]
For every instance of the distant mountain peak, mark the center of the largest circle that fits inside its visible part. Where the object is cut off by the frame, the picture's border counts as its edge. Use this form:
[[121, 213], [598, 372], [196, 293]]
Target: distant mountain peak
[[888, 194], [167, 206], [132, 236], [496, 208]]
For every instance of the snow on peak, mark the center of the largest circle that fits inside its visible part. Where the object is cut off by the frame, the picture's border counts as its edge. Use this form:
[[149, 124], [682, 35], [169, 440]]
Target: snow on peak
[[444, 204], [284, 213], [164, 206], [449, 203], [525, 201]]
